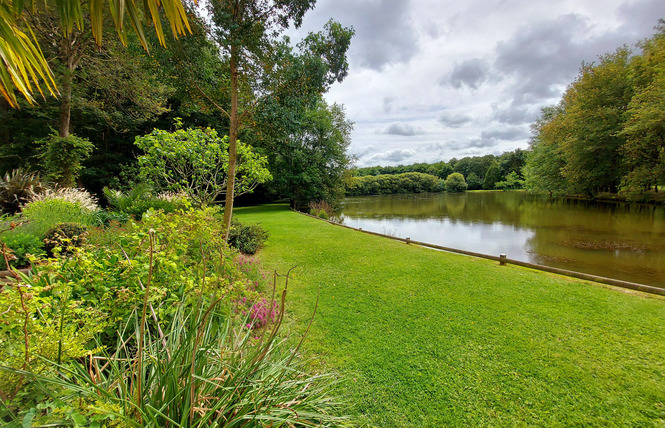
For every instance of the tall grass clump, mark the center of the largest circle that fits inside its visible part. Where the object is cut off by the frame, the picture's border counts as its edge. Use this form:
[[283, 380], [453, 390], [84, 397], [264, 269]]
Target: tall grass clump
[[321, 209]]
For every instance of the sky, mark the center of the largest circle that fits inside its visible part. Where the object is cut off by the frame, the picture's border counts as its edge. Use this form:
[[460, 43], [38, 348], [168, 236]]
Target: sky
[[430, 80]]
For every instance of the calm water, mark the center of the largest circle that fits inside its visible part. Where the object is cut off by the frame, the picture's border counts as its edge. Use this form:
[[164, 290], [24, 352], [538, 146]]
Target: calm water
[[614, 240]]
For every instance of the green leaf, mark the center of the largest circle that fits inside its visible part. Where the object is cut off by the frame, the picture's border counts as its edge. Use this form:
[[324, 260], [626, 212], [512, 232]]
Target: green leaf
[[29, 416]]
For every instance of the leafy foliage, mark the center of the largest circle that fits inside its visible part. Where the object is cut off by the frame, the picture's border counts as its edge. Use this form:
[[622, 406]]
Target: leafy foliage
[[148, 304], [195, 161], [64, 237], [40, 216], [246, 238], [606, 134], [312, 160], [410, 182], [24, 66], [455, 183], [61, 158], [139, 199], [20, 247]]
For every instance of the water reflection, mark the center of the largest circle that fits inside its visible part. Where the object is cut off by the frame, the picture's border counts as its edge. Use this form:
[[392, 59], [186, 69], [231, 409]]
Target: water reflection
[[610, 239]]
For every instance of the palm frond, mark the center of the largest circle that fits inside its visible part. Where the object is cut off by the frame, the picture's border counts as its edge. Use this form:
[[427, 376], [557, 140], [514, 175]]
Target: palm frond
[[23, 67]]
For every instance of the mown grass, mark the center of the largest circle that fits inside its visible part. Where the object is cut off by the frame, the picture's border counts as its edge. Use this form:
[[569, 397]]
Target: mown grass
[[429, 339]]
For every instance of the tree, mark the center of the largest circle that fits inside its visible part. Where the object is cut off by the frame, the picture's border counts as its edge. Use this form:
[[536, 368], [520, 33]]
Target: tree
[[195, 161], [644, 129], [23, 65], [593, 116], [455, 183], [474, 182], [312, 163], [492, 176], [544, 164], [512, 181], [246, 30], [61, 158]]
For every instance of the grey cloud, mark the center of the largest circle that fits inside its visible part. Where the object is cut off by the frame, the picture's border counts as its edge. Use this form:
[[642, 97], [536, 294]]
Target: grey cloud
[[454, 120], [543, 55], [363, 151], [480, 143], [640, 17], [385, 33], [515, 115], [472, 73], [506, 134], [396, 155], [403, 129], [388, 104]]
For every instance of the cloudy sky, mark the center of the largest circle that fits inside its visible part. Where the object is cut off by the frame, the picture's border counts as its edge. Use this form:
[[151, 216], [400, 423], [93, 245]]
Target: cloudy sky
[[430, 80]]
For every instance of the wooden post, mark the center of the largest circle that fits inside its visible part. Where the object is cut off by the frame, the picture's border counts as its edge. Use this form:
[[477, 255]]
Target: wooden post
[[408, 241], [502, 259]]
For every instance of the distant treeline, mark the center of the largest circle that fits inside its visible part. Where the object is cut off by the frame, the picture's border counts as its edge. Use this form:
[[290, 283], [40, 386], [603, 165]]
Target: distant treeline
[[385, 184], [480, 172], [607, 134]]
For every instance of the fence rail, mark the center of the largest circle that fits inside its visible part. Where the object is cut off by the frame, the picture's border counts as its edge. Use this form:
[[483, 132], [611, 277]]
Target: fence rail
[[504, 260]]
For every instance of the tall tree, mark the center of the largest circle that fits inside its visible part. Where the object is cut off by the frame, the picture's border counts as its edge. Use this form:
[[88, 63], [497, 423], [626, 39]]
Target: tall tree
[[310, 164], [645, 125], [248, 31], [594, 107], [544, 165]]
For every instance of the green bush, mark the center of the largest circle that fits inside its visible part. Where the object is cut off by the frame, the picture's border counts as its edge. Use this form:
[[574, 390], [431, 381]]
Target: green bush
[[140, 199], [62, 237], [40, 216], [104, 218], [246, 238], [61, 157], [455, 183], [21, 245]]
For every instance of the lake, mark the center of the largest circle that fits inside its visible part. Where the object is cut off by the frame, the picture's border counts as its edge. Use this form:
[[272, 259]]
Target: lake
[[615, 240]]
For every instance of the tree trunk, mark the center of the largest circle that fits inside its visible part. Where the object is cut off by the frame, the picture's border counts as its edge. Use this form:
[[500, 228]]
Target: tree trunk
[[66, 102], [233, 139]]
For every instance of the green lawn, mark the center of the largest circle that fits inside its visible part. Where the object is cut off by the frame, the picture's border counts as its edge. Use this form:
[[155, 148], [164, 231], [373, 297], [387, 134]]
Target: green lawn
[[430, 339]]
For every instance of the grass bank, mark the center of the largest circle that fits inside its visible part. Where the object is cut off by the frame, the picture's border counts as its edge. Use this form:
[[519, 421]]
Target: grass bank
[[428, 339]]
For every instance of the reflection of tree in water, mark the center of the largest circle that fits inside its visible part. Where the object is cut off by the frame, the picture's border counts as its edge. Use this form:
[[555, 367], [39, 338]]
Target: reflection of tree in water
[[608, 239]]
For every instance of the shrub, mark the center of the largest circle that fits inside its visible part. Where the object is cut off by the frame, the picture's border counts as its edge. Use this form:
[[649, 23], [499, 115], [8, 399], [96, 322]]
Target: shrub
[[246, 238], [18, 188], [42, 215], [104, 218], [138, 200], [21, 246], [410, 182], [321, 209], [62, 237], [195, 161], [455, 183], [116, 334], [61, 157]]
